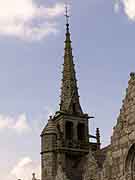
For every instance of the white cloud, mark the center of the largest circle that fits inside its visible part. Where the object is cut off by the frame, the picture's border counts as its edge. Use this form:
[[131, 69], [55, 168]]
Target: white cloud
[[51, 12], [24, 169], [26, 20], [116, 6], [19, 124], [5, 122], [129, 7], [14, 126]]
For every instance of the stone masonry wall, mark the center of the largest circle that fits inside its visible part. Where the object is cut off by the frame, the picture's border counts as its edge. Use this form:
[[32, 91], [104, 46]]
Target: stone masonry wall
[[115, 166]]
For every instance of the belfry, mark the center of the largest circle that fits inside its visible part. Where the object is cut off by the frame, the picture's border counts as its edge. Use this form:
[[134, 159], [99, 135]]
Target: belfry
[[65, 138]]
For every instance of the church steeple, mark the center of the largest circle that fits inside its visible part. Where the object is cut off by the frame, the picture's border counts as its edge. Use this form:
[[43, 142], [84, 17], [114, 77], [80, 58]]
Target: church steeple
[[69, 91], [65, 138]]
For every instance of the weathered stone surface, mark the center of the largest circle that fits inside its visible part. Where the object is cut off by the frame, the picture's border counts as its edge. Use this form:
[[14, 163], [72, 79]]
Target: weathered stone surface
[[90, 168], [61, 174]]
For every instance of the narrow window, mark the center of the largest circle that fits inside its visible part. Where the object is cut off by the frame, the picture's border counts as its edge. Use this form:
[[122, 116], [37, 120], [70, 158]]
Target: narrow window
[[81, 131], [69, 130], [74, 108]]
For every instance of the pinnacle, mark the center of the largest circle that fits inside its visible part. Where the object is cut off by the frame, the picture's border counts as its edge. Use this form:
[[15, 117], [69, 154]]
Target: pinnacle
[[132, 74]]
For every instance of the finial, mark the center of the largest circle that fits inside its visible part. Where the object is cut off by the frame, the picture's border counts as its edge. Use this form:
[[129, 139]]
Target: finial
[[67, 13]]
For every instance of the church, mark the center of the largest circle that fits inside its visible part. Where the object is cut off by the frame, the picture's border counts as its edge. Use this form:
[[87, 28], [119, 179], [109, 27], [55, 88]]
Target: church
[[66, 150]]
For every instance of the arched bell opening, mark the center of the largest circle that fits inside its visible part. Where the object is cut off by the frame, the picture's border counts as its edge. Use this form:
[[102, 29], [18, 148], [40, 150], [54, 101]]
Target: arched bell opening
[[81, 132], [130, 164]]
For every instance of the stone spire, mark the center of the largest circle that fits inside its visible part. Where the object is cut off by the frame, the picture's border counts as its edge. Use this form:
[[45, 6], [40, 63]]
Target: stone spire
[[69, 91]]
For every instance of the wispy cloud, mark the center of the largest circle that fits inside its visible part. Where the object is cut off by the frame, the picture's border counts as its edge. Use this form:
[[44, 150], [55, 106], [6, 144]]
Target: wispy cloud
[[24, 169], [116, 6], [48, 112], [27, 20], [128, 6], [18, 124]]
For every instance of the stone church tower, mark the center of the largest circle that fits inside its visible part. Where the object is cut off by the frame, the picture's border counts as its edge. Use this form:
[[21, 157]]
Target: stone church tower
[[67, 153], [65, 139]]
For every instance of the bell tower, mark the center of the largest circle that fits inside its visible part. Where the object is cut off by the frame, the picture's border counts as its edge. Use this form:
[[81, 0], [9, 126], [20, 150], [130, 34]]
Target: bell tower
[[65, 139]]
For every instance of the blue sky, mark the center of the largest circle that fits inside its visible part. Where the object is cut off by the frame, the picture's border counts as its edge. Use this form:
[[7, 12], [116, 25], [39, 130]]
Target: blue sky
[[31, 57]]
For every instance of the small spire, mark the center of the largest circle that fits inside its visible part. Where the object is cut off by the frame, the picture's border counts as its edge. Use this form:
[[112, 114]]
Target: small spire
[[33, 176], [98, 138]]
